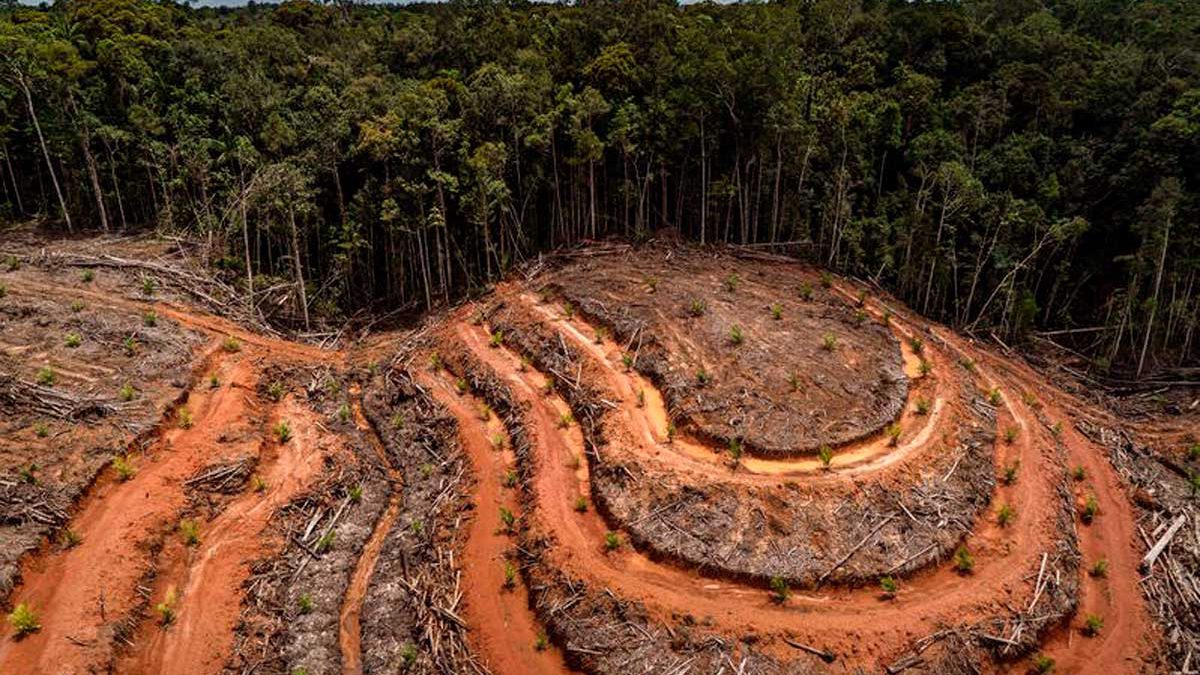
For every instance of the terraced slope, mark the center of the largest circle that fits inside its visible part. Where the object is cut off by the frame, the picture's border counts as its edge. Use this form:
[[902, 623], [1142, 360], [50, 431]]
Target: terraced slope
[[742, 466]]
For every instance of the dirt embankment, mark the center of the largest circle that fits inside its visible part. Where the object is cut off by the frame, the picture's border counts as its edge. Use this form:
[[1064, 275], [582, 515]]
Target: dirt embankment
[[603, 475], [756, 352]]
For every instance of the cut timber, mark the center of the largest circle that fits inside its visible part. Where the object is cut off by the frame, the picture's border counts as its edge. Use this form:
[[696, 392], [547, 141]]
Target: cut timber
[[1153, 553]]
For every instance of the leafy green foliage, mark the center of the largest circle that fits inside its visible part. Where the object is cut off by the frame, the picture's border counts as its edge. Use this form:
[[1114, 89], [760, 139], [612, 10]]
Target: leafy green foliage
[[960, 180], [780, 590], [889, 586], [45, 376], [964, 562], [23, 619], [190, 531], [1091, 508], [612, 541]]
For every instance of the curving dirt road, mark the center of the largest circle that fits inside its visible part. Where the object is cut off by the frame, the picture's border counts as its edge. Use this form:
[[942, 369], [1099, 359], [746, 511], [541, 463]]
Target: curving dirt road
[[90, 597], [864, 629]]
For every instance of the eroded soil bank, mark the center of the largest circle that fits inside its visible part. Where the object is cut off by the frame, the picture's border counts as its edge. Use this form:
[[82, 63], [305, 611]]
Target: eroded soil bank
[[742, 466]]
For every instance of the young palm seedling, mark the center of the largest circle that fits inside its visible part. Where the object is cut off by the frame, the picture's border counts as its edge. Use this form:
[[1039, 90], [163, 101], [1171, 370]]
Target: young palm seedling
[[1010, 472], [166, 608], [325, 543], [45, 376], [70, 538], [612, 541], [1092, 625], [893, 433], [507, 520], [780, 591], [777, 311], [1091, 508], [735, 335], [964, 562], [922, 406], [828, 342], [190, 531], [23, 620], [283, 431], [1005, 515], [825, 454], [124, 468], [889, 586]]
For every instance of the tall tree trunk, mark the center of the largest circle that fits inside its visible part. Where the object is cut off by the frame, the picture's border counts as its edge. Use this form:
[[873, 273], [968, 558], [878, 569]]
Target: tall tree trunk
[[703, 181], [246, 248], [12, 176], [62, 203], [94, 177], [1162, 261], [296, 265]]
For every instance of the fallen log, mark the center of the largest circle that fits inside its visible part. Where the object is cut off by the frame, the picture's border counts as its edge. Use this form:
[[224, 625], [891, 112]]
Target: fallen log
[[1161, 544]]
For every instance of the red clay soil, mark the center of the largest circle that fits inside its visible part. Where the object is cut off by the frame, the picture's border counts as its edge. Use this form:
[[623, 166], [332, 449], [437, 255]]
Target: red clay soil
[[1128, 635], [81, 593], [853, 623], [350, 619], [503, 628], [87, 597], [89, 602], [648, 419], [207, 579], [844, 393]]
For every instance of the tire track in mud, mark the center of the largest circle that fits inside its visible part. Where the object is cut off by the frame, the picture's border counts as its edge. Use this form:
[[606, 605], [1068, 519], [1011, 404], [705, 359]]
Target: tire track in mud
[[350, 616], [642, 405], [208, 580], [83, 593], [931, 597], [1116, 596], [504, 630], [93, 600]]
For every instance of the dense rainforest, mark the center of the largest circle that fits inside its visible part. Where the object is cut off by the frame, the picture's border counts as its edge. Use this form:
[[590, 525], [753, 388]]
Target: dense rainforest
[[1004, 166]]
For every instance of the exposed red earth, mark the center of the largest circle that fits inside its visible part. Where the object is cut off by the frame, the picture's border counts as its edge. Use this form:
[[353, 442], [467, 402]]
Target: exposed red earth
[[582, 471]]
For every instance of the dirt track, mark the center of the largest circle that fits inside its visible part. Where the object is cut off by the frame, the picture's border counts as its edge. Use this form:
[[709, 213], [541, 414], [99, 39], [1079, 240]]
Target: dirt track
[[94, 613]]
